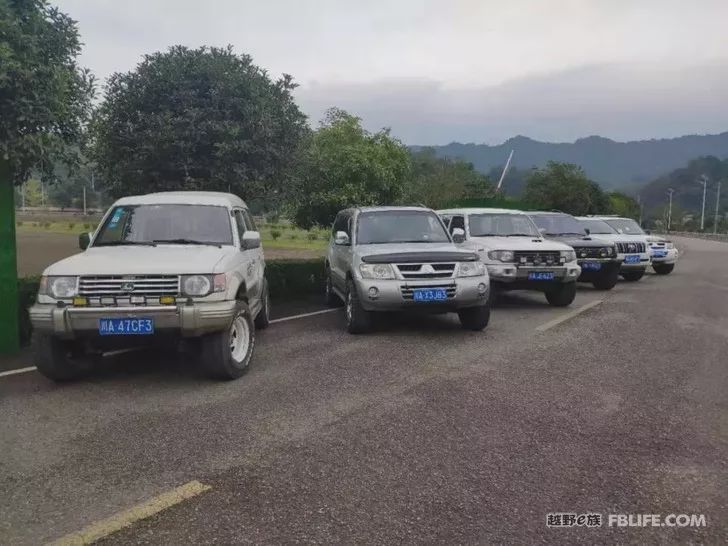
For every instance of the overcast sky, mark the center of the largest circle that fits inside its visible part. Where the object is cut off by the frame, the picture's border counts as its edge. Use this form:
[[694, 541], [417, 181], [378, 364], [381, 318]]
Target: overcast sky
[[456, 70]]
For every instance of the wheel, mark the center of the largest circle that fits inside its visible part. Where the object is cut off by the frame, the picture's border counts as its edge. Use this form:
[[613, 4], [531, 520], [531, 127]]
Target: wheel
[[561, 295], [633, 275], [607, 279], [227, 354], [263, 319], [57, 359], [358, 319], [330, 297], [663, 269], [475, 318]]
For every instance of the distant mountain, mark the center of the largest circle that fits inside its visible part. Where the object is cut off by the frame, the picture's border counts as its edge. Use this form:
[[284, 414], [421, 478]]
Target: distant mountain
[[615, 165], [688, 194]]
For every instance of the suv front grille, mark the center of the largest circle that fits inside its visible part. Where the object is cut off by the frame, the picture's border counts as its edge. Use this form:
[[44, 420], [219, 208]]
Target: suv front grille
[[589, 252], [408, 290], [426, 271], [524, 257], [129, 285], [627, 248]]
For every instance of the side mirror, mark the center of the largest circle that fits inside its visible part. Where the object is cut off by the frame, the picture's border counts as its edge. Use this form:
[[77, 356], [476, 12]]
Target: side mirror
[[84, 240], [587, 231], [458, 235], [341, 238], [251, 240]]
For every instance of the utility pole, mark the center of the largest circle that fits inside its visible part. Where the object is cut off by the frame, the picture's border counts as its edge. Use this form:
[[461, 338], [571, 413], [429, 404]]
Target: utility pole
[[704, 182], [717, 204], [84, 199], [670, 191]]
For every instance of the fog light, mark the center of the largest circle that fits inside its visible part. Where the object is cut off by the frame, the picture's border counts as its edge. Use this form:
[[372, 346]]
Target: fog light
[[482, 288], [373, 292], [80, 300], [166, 300]]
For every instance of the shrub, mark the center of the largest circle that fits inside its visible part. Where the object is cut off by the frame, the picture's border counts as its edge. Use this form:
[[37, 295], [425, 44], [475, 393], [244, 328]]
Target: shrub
[[71, 225], [19, 223], [312, 236], [88, 226], [295, 278], [275, 234], [293, 235], [46, 225]]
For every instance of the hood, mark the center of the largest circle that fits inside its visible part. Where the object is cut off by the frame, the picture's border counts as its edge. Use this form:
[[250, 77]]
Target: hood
[[401, 248], [621, 237], [142, 260], [404, 252], [530, 244], [580, 242]]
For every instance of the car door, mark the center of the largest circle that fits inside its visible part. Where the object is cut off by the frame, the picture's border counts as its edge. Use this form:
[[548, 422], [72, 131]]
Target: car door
[[256, 254], [248, 262], [340, 255]]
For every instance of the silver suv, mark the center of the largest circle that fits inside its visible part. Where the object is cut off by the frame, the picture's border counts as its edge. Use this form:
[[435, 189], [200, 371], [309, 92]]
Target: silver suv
[[396, 258], [162, 266]]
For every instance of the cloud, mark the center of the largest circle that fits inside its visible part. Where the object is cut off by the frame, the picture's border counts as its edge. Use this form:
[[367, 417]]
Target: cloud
[[622, 101]]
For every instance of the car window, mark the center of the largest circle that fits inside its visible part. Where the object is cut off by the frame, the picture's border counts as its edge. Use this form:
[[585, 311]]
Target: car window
[[598, 227], [342, 223], [249, 222], [400, 226], [457, 222], [240, 223], [558, 224], [626, 226], [501, 225]]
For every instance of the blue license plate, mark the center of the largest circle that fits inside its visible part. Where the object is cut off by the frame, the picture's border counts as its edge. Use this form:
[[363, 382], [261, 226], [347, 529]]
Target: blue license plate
[[541, 276], [126, 326], [659, 253], [632, 259], [429, 294], [590, 266]]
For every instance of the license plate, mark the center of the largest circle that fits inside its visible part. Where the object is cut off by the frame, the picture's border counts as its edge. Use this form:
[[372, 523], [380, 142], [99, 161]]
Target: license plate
[[429, 294], [659, 253], [541, 276], [590, 266], [632, 259], [126, 326]]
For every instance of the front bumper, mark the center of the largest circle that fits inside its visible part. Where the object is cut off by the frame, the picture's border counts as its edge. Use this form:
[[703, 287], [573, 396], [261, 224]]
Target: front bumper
[[669, 258], [187, 320], [642, 264], [513, 273], [396, 294]]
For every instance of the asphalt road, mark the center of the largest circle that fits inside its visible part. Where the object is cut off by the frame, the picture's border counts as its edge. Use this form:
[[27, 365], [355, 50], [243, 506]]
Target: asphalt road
[[419, 432]]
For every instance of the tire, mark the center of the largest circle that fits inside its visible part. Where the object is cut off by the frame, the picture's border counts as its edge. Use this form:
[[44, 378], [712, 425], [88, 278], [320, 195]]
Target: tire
[[607, 280], [330, 297], [475, 318], [663, 269], [263, 319], [222, 358], [633, 275], [561, 295], [358, 319], [57, 359]]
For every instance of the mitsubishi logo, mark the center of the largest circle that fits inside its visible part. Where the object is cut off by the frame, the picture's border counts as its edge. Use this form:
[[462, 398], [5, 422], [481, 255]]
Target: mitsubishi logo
[[127, 286], [427, 268]]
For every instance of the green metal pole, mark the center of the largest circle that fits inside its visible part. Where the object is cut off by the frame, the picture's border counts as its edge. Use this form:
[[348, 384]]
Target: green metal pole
[[9, 335]]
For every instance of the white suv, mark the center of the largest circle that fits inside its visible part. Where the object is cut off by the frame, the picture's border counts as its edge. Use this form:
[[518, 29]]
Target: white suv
[[632, 246], [162, 266], [515, 253]]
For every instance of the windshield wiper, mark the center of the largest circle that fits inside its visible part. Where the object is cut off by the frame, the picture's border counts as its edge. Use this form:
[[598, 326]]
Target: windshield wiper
[[183, 241], [569, 233], [125, 243], [521, 235]]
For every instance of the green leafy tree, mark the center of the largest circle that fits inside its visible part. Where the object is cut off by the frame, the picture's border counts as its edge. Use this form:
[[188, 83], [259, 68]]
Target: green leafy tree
[[44, 100], [565, 187], [343, 165], [437, 181], [624, 205], [197, 119]]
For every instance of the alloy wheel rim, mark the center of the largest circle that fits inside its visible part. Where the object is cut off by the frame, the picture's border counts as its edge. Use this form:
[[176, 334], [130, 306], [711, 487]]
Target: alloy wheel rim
[[239, 339]]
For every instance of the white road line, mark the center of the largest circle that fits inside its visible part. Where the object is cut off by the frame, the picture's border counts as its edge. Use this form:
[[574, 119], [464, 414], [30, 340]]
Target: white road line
[[568, 316], [304, 315], [111, 353]]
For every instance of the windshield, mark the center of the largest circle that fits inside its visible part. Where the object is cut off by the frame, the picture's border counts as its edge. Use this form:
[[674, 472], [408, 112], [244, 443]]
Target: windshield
[[597, 227], [625, 226], [400, 226], [503, 225], [173, 224], [558, 224]]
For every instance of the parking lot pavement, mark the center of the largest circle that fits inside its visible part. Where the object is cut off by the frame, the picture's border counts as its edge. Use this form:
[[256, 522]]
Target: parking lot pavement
[[418, 432]]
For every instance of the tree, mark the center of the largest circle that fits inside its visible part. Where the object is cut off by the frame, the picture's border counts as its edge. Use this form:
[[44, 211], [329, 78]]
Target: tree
[[44, 100], [197, 119], [437, 181], [565, 187], [624, 205], [342, 165]]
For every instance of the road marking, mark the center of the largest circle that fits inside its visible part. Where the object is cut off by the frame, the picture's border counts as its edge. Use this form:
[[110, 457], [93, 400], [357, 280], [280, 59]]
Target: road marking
[[120, 520], [20, 370], [120, 351], [568, 316], [304, 315]]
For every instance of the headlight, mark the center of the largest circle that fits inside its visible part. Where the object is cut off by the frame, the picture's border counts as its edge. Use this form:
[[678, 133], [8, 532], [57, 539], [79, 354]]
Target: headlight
[[606, 252], [61, 287], [196, 285], [471, 269], [568, 255], [501, 255], [376, 271]]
